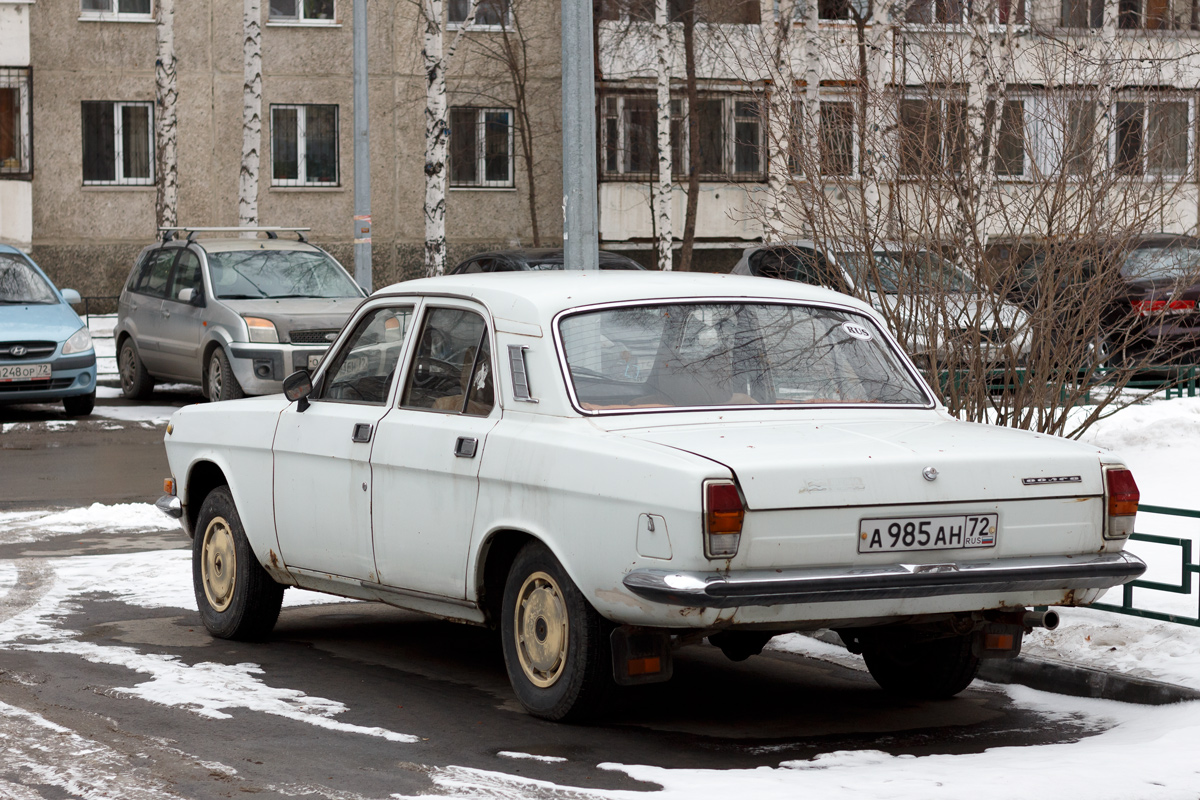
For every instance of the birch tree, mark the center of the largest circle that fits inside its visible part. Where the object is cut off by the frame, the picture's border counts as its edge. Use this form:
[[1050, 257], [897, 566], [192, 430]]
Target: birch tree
[[663, 193], [251, 112], [166, 94], [777, 19], [436, 56]]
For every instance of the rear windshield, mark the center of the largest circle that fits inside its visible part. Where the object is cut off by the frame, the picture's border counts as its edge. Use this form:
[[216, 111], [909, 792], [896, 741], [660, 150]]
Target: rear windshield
[[688, 355], [1163, 263], [255, 274], [20, 283], [895, 272]]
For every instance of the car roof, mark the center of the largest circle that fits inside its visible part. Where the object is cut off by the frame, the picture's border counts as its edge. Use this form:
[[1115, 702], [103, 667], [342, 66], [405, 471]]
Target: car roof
[[552, 254], [537, 296]]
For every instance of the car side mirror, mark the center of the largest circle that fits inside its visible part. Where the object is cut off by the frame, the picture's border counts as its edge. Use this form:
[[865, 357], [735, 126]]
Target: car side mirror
[[297, 387], [72, 297], [185, 295]]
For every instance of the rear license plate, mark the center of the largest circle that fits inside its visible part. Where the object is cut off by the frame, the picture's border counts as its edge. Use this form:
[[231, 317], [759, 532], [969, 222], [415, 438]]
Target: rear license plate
[[897, 534], [24, 372], [315, 361]]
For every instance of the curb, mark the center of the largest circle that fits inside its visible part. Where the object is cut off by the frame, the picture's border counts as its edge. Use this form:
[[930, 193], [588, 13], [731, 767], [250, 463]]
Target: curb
[[1077, 681], [1068, 679]]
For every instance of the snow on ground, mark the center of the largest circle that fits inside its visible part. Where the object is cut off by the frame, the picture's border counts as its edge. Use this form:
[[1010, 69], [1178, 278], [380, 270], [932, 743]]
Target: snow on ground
[[101, 326], [32, 526], [1150, 752]]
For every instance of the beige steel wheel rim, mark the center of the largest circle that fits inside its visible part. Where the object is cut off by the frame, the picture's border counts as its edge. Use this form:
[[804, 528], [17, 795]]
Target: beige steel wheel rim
[[542, 629], [218, 564]]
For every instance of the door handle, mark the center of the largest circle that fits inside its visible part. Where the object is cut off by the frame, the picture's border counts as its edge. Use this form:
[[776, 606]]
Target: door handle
[[466, 446], [362, 433], [166, 313]]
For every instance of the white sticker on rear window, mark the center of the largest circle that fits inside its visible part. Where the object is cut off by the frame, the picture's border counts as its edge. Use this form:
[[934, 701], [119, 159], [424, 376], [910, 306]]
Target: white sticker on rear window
[[857, 331]]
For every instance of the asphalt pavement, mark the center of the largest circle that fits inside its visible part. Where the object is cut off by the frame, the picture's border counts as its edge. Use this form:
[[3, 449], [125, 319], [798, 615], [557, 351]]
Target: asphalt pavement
[[442, 683]]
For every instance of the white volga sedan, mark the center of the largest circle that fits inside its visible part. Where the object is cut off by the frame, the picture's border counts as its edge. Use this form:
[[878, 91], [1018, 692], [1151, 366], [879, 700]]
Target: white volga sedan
[[608, 466]]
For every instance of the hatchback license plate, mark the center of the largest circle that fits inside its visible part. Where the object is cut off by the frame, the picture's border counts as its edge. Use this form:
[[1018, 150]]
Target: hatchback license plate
[[314, 362], [896, 534], [24, 372]]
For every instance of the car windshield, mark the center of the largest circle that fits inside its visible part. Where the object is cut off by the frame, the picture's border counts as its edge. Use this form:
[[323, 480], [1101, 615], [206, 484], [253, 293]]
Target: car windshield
[[1163, 263], [20, 283], [254, 274], [892, 271], [687, 355]]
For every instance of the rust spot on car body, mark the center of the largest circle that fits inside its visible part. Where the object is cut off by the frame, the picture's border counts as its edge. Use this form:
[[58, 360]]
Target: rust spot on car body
[[274, 559]]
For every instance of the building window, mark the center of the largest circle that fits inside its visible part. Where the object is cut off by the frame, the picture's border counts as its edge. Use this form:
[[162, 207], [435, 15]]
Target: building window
[[1152, 138], [116, 10], [1176, 15], [833, 9], [932, 136], [16, 143], [481, 147], [1082, 13], [730, 138], [302, 11], [837, 129], [934, 11], [488, 13], [304, 145], [118, 143], [1010, 139]]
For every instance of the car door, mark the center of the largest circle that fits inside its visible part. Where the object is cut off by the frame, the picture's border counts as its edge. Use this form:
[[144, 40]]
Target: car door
[[183, 321], [428, 450], [322, 477], [146, 295]]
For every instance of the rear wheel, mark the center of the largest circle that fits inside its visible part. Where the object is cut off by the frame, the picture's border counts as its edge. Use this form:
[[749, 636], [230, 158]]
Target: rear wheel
[[906, 665], [222, 385], [236, 597], [556, 646], [136, 383], [80, 405]]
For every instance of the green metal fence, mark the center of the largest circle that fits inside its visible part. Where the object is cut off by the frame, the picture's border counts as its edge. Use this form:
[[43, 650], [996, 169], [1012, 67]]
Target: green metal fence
[[1177, 381], [1188, 568]]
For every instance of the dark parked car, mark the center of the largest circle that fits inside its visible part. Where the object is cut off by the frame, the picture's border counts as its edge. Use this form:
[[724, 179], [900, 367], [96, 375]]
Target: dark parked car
[[1144, 290], [540, 259]]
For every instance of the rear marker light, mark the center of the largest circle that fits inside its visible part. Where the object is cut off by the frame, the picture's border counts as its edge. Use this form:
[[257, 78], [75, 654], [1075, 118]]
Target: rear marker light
[[644, 666], [1121, 498], [723, 517]]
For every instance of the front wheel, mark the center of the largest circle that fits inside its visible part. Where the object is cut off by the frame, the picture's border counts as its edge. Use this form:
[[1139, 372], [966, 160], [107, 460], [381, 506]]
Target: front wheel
[[236, 597], [555, 644], [80, 405], [931, 669], [136, 383], [222, 384]]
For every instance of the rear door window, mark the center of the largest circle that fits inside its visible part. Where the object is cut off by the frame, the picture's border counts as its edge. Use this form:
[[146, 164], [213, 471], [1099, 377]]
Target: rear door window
[[187, 275], [156, 269], [452, 370]]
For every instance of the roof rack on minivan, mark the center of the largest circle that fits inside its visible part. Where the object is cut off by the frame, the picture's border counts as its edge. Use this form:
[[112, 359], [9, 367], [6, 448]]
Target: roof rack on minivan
[[272, 232]]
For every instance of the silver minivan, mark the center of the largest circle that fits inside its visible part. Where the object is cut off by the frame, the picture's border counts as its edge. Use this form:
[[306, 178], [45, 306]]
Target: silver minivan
[[234, 315]]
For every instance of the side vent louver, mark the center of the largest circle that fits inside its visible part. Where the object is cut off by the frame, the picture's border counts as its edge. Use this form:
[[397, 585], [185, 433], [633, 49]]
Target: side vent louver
[[516, 362]]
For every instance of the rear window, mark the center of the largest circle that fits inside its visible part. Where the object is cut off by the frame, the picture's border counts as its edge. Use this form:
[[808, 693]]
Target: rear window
[[255, 274], [690, 355], [1163, 263], [893, 272]]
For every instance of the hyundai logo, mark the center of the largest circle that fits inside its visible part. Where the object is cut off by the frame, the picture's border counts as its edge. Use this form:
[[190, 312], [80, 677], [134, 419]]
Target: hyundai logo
[[17, 350]]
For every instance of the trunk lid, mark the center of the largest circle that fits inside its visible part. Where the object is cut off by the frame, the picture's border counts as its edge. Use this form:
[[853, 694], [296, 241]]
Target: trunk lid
[[813, 463]]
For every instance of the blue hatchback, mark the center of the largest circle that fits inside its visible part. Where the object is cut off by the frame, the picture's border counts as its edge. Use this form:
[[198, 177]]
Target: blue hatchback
[[46, 351]]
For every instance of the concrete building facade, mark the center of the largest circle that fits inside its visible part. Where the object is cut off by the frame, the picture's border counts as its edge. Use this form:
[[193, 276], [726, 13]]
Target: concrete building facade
[[93, 193], [16, 131]]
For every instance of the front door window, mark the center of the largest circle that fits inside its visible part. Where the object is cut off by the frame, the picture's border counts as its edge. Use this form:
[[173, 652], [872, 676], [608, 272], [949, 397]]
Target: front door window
[[361, 372]]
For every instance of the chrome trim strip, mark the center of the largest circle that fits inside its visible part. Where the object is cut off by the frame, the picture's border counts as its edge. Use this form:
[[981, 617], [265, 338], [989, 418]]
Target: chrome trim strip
[[772, 588]]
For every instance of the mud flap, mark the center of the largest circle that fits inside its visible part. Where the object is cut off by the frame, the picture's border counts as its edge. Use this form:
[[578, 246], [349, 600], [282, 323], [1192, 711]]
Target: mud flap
[[997, 640], [640, 655]]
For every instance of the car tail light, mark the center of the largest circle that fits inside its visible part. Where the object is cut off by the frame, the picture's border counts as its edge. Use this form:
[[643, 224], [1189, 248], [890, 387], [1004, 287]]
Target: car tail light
[[1182, 305], [1121, 497], [1145, 308], [723, 516]]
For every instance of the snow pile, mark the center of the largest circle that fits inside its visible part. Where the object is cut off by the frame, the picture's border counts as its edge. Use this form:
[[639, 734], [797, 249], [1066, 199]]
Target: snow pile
[[32, 526]]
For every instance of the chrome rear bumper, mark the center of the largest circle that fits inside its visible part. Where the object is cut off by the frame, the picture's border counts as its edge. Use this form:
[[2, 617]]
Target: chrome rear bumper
[[826, 585]]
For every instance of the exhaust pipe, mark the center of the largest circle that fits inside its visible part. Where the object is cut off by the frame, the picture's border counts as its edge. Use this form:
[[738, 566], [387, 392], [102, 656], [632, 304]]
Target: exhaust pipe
[[1041, 619]]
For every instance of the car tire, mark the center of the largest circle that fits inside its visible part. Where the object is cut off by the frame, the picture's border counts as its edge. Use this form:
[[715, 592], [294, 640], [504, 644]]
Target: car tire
[[932, 669], [136, 383], [80, 405], [236, 597], [556, 646], [220, 381]]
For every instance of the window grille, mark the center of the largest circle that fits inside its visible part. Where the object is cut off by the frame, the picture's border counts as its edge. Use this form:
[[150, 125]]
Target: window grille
[[118, 143], [304, 145], [16, 124], [481, 147]]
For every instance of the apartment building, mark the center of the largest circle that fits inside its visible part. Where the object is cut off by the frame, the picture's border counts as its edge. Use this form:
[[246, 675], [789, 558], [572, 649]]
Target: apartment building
[[16, 133], [92, 64], [1093, 92]]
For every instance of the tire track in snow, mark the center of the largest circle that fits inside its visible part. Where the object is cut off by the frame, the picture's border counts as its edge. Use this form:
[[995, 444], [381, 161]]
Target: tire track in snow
[[33, 578]]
